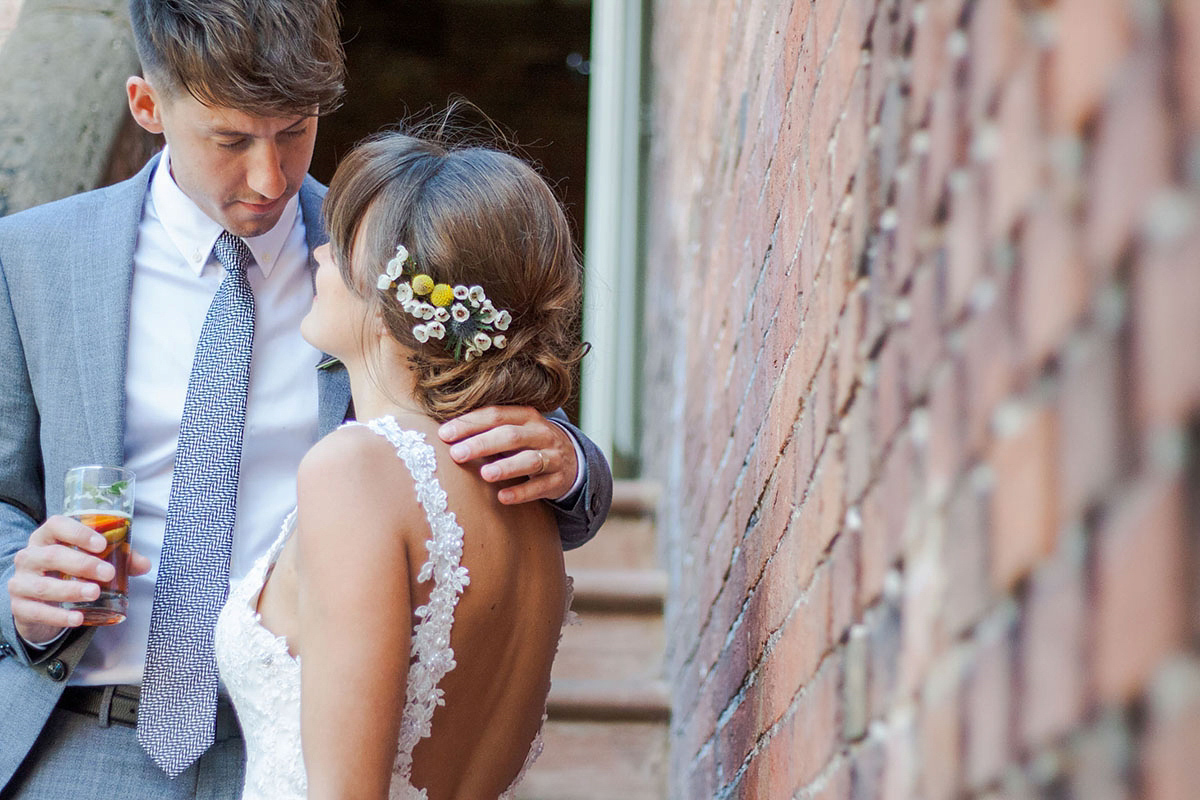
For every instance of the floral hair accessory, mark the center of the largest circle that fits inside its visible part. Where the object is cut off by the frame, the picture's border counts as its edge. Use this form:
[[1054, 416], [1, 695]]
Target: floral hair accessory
[[462, 316]]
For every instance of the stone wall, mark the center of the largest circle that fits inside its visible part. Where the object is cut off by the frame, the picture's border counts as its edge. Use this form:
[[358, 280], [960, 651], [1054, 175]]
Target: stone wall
[[925, 396], [62, 98], [9, 9]]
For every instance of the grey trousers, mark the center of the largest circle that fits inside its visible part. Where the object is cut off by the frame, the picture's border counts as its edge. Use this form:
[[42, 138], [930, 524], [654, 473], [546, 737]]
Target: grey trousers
[[77, 758]]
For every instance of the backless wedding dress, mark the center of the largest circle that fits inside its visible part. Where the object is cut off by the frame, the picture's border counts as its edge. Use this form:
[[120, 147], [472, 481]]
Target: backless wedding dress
[[263, 679]]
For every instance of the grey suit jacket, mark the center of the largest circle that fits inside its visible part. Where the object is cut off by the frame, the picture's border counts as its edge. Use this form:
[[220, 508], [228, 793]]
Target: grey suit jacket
[[66, 270]]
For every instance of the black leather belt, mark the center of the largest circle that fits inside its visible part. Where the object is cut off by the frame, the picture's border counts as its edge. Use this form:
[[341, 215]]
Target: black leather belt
[[119, 704], [110, 704]]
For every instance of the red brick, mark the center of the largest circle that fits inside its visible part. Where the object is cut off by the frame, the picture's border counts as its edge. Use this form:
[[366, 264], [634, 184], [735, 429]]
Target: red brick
[[964, 558], [1140, 583], [1092, 41], [844, 608], [1089, 413], [1168, 768], [815, 723], [1165, 285], [1053, 633], [923, 336], [990, 358], [989, 703], [964, 233], [1053, 286], [947, 434], [930, 57], [849, 333], [1024, 517], [940, 738], [1132, 161], [1017, 166], [995, 43], [1186, 26]]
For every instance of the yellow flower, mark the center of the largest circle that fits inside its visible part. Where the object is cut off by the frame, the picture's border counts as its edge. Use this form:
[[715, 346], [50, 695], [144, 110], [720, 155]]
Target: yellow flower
[[422, 285], [443, 295]]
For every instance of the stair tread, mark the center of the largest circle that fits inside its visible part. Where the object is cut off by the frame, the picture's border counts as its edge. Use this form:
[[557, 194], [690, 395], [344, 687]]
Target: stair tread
[[624, 589], [595, 698]]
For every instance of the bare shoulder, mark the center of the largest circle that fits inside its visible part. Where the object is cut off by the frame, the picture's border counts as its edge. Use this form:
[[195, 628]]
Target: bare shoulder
[[352, 481]]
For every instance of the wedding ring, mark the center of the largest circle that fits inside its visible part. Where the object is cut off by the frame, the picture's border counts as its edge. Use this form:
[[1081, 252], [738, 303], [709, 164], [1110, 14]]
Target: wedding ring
[[541, 462]]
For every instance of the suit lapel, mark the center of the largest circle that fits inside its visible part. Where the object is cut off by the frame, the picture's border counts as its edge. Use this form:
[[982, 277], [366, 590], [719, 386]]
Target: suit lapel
[[333, 384], [102, 275]]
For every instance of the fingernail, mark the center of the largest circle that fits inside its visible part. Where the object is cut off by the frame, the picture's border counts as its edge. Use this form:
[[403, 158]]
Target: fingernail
[[96, 543], [490, 473], [459, 451], [91, 591], [446, 431], [74, 619], [505, 496], [106, 572]]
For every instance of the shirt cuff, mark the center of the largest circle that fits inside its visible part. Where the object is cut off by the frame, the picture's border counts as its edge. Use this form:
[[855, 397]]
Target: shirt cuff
[[580, 468], [41, 646]]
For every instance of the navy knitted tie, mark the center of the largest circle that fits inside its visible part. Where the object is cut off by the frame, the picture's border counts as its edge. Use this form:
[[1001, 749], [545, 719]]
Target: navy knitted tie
[[178, 707]]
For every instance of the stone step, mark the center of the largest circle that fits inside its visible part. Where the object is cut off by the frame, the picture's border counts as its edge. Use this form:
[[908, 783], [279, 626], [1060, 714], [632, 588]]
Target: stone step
[[593, 760], [618, 635], [609, 699], [627, 538]]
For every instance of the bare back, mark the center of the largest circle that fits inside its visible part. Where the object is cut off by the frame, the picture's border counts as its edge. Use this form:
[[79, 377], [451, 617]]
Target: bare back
[[505, 627]]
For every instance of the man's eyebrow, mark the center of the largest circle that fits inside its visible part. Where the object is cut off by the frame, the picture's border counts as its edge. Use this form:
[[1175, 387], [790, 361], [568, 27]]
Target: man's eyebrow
[[234, 133]]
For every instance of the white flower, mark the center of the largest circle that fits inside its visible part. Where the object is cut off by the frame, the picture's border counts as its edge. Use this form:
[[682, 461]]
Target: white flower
[[404, 292], [502, 320], [441, 314], [460, 292], [500, 341], [401, 253], [384, 282], [426, 311], [436, 330], [411, 306], [487, 314], [460, 312], [482, 341], [421, 332], [487, 305], [476, 296]]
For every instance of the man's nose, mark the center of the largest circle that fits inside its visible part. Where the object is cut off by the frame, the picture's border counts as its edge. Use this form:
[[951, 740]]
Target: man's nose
[[265, 174]]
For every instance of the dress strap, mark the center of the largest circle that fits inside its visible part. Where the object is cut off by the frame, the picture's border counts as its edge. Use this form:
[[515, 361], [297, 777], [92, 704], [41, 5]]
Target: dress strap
[[432, 656]]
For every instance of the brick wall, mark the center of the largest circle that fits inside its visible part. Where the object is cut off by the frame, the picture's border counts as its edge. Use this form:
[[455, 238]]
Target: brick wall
[[924, 382]]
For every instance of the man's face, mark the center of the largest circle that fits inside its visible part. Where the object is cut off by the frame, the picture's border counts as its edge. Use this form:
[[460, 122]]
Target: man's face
[[240, 169]]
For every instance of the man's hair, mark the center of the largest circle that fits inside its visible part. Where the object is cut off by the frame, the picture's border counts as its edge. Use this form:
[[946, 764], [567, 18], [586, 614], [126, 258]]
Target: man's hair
[[264, 57]]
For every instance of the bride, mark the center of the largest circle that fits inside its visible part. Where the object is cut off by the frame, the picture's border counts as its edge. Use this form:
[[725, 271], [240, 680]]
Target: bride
[[397, 639]]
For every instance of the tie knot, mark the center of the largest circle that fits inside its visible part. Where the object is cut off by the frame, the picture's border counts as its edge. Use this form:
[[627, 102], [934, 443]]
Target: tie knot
[[232, 252]]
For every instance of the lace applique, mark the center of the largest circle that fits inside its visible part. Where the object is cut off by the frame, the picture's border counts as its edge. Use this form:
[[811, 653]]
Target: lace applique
[[432, 656]]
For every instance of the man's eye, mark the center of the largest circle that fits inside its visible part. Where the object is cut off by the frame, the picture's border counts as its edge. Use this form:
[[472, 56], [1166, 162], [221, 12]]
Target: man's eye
[[232, 144]]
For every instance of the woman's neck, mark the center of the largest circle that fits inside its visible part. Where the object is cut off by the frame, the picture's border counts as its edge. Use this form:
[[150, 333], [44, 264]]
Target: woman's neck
[[383, 385]]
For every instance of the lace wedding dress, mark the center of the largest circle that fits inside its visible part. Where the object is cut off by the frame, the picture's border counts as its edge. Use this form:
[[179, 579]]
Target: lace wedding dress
[[263, 679]]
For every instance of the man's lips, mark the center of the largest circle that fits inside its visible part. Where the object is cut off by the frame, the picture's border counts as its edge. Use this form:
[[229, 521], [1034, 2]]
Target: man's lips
[[261, 208]]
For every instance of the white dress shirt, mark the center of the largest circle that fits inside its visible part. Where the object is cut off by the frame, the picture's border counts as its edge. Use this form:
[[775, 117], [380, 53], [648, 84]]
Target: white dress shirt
[[175, 277]]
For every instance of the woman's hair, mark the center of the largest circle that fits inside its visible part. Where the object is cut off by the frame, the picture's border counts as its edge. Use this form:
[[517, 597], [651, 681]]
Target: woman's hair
[[470, 216], [263, 57]]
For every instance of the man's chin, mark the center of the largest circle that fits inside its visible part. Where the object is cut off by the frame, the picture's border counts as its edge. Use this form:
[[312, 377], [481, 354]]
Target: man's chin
[[247, 227]]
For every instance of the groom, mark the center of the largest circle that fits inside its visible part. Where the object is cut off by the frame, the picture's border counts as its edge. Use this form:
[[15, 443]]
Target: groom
[[236, 88]]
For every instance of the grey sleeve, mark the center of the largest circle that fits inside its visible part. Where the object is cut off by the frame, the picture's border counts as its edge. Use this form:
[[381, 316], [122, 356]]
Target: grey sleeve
[[580, 515]]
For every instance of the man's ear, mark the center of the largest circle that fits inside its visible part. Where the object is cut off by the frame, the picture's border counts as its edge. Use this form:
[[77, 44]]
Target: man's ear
[[144, 104]]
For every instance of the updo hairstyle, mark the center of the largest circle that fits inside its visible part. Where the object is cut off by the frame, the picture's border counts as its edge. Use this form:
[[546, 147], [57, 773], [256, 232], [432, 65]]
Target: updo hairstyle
[[474, 216]]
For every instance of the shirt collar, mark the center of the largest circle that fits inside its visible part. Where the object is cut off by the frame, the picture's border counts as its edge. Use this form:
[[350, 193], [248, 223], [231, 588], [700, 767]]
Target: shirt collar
[[194, 233]]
